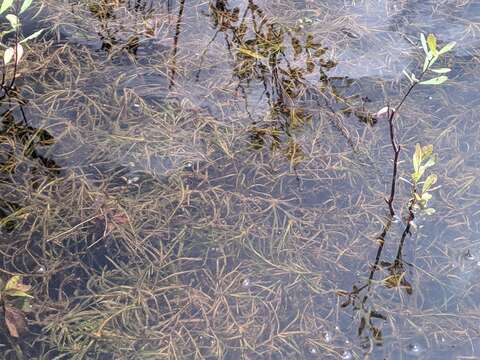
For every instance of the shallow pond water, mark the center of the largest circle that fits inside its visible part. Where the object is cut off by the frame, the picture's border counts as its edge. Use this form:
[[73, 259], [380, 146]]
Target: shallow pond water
[[207, 182]]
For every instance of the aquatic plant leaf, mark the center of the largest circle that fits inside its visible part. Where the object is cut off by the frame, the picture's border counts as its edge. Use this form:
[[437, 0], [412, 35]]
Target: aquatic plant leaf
[[424, 43], [250, 53], [441, 70], [15, 320], [429, 182], [447, 47], [13, 20], [18, 293], [427, 151], [435, 81], [26, 4], [432, 43], [6, 4], [8, 55], [13, 282], [408, 76], [32, 36], [417, 158]]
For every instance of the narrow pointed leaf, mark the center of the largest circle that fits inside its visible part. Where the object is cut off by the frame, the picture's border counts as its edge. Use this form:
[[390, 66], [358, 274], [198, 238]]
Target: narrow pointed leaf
[[447, 47], [26, 4], [33, 36], [250, 53], [431, 180], [435, 81], [417, 157], [408, 76], [426, 61], [6, 4], [441, 70], [18, 293], [424, 43], [432, 161]]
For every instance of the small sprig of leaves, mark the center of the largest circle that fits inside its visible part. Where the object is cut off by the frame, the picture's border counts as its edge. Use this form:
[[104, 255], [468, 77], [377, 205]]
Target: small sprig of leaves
[[423, 158], [432, 54], [16, 51], [14, 297]]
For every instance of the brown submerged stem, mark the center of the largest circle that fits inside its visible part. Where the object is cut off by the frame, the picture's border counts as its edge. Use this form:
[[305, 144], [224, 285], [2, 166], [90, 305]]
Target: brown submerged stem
[[395, 146]]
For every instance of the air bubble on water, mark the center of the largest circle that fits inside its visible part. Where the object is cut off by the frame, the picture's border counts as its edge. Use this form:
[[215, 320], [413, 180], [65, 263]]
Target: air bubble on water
[[396, 219], [327, 336], [246, 283], [133, 180], [469, 256], [414, 349], [312, 351], [188, 166], [346, 355], [41, 269]]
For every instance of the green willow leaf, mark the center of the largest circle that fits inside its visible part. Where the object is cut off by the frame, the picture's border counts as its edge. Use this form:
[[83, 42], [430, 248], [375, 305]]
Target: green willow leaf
[[33, 36], [18, 293], [431, 180], [441, 70], [6, 4], [13, 20], [417, 158], [424, 43], [435, 81], [26, 4], [447, 47]]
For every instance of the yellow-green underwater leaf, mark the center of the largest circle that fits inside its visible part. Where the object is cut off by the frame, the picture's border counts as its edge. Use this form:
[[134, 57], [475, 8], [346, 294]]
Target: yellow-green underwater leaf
[[447, 47], [435, 81], [13, 20], [431, 180], [18, 293], [5, 5], [424, 43], [417, 157], [15, 284], [26, 4], [33, 36], [432, 43], [441, 70], [250, 53]]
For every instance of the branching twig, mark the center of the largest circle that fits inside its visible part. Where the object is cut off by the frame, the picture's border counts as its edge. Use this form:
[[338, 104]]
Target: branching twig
[[395, 146]]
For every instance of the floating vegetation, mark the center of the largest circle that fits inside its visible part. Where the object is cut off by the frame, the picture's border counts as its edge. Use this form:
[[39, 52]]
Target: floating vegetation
[[207, 180]]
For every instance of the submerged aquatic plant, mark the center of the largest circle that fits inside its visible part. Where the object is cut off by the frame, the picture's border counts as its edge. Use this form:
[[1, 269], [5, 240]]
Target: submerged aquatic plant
[[423, 158], [14, 51], [14, 299], [432, 54]]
